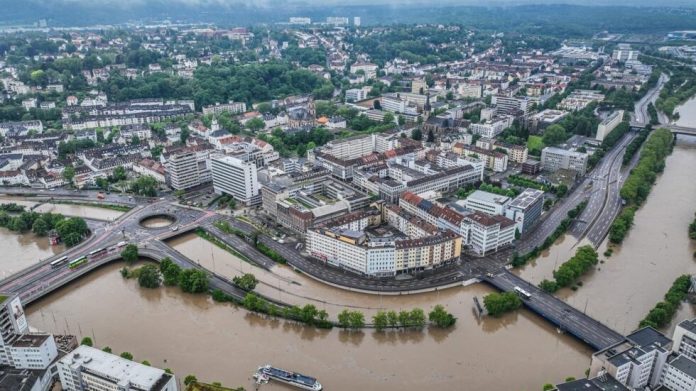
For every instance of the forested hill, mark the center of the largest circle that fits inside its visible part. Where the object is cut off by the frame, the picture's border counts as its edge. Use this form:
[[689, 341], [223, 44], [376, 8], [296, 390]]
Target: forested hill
[[570, 20]]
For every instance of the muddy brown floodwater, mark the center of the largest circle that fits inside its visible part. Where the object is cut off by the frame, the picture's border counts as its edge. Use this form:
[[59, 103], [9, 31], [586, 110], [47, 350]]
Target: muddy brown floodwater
[[520, 351], [623, 288]]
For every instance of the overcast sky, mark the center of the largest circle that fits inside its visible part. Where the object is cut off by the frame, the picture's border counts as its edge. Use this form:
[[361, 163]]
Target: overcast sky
[[277, 3]]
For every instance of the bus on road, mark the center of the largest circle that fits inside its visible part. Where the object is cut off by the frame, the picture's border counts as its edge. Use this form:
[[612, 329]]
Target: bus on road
[[523, 293], [97, 253], [58, 262], [75, 263]]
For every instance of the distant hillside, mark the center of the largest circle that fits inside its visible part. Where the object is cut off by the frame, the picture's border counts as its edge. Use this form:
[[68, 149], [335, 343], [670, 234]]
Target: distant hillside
[[568, 20]]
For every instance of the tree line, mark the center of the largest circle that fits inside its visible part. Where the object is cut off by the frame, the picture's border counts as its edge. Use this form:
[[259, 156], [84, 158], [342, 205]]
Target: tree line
[[568, 273], [71, 230], [639, 182]]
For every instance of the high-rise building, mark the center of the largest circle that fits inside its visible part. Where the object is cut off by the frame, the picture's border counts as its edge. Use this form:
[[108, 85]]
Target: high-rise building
[[13, 323], [611, 122], [525, 209], [87, 369], [357, 21], [183, 171], [236, 177]]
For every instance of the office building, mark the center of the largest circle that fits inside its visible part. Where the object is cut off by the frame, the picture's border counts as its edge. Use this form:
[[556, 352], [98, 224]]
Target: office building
[[637, 361], [90, 369], [236, 177], [511, 105], [489, 203], [679, 374], [525, 210], [553, 159], [612, 121], [182, 169], [489, 233]]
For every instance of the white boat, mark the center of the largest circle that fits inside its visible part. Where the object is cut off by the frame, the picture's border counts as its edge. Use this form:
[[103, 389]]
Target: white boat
[[294, 379]]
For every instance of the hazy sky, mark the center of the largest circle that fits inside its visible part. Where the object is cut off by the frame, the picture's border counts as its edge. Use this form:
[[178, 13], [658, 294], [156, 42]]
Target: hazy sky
[[280, 3]]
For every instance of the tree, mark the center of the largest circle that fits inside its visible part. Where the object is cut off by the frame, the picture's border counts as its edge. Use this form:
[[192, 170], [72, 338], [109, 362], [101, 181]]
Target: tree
[[431, 136], [146, 363], [499, 303], [392, 318], [87, 341], [247, 281], [351, 319], [184, 135], [40, 227], [130, 253], [149, 277], [193, 281], [135, 140], [377, 105], [119, 174], [554, 135], [107, 349], [255, 124], [69, 174], [145, 185], [380, 320], [190, 379], [170, 271], [416, 134], [127, 356], [72, 230], [388, 118], [441, 317]]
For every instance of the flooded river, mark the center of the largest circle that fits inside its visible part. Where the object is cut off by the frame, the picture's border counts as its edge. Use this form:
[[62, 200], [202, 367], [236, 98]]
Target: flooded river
[[219, 342], [91, 212]]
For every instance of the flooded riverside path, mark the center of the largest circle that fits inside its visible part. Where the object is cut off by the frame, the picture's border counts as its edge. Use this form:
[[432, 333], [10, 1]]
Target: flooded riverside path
[[520, 351], [627, 284]]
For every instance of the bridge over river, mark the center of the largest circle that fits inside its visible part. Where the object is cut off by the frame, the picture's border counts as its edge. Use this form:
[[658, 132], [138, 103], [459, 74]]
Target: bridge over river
[[566, 317], [41, 279]]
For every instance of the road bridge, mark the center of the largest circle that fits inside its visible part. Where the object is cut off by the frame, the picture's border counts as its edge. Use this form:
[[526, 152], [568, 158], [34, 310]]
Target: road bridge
[[675, 129], [567, 318]]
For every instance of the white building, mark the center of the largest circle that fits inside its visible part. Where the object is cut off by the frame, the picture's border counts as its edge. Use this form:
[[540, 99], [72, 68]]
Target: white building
[[679, 374], [236, 177], [13, 323], [356, 94], [300, 20], [357, 21], [611, 122], [33, 351], [489, 233], [469, 90], [90, 369], [369, 69], [183, 171], [525, 210], [553, 159], [492, 128], [637, 361], [231, 107], [489, 203]]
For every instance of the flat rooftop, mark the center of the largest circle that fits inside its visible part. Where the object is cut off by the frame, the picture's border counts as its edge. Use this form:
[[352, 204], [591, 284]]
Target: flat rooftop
[[109, 365], [491, 198]]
